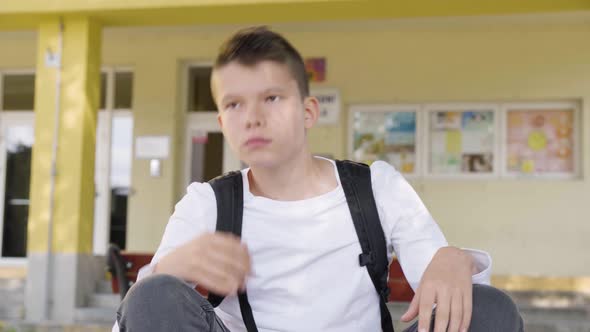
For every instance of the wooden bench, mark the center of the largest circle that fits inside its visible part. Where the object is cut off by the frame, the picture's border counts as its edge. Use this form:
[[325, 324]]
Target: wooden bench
[[131, 262]]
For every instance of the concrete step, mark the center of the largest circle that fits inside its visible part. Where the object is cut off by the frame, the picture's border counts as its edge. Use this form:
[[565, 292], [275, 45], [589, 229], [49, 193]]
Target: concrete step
[[99, 300], [95, 315], [13, 284], [556, 326], [12, 298], [549, 311], [11, 312], [575, 312], [12, 294], [397, 309], [19, 326], [548, 321], [555, 319], [550, 299], [537, 319]]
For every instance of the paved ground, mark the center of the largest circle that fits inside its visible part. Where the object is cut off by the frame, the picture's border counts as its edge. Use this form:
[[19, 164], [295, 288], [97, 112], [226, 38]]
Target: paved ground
[[541, 311]]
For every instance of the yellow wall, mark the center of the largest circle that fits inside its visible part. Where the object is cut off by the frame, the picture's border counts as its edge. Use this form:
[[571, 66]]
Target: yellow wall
[[530, 227], [17, 14], [18, 50]]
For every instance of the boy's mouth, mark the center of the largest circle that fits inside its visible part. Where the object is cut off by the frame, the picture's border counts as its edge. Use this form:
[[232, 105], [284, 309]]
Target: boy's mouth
[[254, 142]]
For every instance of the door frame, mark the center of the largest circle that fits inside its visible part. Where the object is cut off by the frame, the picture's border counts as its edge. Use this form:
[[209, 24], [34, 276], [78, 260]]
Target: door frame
[[206, 122], [102, 179], [201, 121], [102, 171], [8, 119]]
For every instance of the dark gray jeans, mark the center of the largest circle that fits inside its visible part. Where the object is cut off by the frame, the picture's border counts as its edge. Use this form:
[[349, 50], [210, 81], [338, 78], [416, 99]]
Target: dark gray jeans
[[165, 303]]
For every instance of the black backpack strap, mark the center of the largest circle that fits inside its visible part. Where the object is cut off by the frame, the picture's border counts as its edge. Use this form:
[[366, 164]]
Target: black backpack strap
[[356, 183], [229, 194]]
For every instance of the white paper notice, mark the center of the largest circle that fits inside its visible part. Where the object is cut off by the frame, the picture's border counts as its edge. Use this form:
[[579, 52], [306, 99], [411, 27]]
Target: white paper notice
[[152, 147]]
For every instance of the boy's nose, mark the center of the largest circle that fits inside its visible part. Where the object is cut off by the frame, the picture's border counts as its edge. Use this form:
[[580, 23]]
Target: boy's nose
[[255, 118], [253, 123]]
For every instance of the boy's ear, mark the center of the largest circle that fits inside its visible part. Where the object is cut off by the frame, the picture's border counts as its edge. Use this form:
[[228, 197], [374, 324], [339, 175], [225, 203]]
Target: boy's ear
[[312, 111], [219, 120]]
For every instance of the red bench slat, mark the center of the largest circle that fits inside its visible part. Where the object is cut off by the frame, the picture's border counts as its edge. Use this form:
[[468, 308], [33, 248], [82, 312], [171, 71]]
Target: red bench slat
[[398, 285]]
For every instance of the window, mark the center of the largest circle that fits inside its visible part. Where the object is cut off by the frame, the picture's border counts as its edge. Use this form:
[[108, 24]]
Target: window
[[123, 90], [18, 92], [121, 95], [18, 144], [114, 158], [103, 91], [199, 90]]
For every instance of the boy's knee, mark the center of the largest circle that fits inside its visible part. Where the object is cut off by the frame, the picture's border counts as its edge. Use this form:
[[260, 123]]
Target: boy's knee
[[152, 287], [494, 308], [152, 298], [492, 297], [153, 291]]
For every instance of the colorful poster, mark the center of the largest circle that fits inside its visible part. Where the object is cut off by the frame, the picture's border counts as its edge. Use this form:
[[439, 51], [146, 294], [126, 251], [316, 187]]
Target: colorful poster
[[461, 142], [540, 141], [388, 136], [316, 69]]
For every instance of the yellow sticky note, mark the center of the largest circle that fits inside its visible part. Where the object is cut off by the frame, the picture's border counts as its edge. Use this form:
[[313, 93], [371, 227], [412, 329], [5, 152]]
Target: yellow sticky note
[[537, 141], [454, 142], [528, 166], [407, 167]]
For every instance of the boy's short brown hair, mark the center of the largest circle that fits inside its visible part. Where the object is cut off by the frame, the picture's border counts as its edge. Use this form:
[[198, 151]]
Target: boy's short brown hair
[[252, 45]]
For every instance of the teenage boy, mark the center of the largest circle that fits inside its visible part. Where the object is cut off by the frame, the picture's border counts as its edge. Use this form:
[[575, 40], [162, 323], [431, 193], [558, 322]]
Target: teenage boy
[[298, 255]]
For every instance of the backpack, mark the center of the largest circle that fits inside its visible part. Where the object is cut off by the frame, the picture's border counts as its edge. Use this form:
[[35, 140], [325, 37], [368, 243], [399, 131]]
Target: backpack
[[355, 179]]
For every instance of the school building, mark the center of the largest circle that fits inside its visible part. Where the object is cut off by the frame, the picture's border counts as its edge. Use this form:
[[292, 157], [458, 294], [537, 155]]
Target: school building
[[106, 117]]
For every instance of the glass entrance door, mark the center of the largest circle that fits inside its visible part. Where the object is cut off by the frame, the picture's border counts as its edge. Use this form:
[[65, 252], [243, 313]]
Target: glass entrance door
[[207, 153], [16, 143]]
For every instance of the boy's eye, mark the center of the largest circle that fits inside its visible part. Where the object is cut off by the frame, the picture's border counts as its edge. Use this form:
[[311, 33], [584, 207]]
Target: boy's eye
[[272, 99], [231, 106]]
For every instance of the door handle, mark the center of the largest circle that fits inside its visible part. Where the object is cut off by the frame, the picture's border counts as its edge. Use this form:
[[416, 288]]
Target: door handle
[[18, 201]]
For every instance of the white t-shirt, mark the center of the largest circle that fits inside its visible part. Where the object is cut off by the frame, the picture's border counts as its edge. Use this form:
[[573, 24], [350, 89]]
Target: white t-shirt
[[305, 253]]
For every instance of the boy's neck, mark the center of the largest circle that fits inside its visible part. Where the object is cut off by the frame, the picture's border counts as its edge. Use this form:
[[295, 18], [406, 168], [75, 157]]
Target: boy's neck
[[301, 178]]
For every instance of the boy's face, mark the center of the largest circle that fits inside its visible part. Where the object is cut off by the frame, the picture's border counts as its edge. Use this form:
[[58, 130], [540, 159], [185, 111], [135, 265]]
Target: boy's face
[[261, 112]]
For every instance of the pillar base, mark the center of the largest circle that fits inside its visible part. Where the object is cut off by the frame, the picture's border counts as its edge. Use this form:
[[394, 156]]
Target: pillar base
[[73, 280]]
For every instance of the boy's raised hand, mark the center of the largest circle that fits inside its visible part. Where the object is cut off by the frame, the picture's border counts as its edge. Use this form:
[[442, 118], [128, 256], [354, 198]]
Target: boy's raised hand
[[446, 283], [217, 261]]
